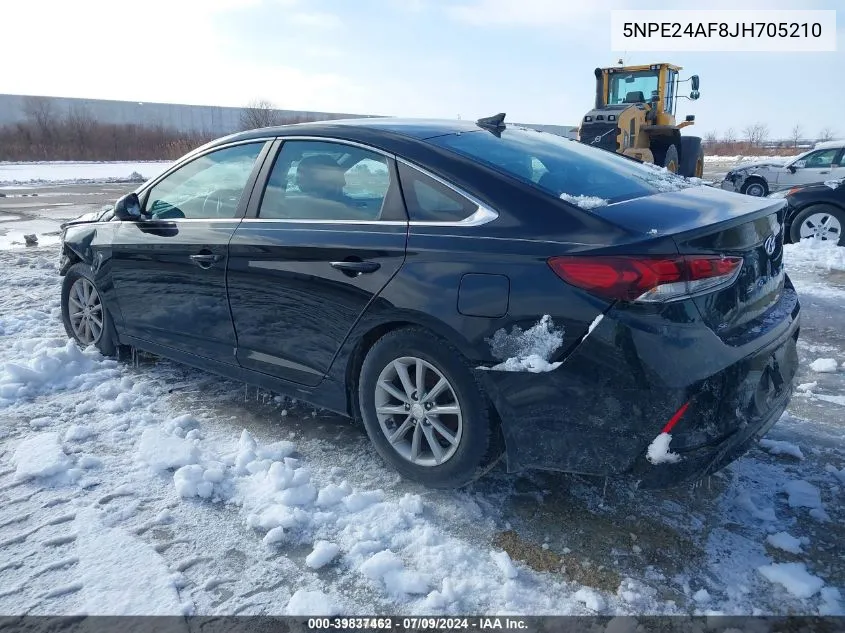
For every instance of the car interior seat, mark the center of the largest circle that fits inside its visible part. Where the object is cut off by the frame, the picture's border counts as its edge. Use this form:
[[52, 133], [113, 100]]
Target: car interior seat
[[635, 96]]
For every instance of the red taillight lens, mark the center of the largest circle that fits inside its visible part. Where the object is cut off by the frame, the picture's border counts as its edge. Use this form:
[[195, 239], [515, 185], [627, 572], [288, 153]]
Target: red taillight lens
[[646, 279]]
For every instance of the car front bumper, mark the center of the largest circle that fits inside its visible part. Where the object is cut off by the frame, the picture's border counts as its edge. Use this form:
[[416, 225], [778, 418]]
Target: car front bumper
[[598, 412]]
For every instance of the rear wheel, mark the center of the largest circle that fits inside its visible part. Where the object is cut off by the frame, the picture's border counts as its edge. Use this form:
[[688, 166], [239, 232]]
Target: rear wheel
[[821, 221], [423, 409], [692, 157], [667, 157], [756, 187], [86, 318]]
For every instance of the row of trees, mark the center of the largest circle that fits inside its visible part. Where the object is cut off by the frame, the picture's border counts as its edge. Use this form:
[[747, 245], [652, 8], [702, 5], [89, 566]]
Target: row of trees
[[756, 138], [49, 134]]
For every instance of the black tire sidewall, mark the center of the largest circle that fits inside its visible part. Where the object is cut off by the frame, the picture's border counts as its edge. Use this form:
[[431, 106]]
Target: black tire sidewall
[[691, 152], [795, 226], [464, 464], [753, 181], [107, 343]]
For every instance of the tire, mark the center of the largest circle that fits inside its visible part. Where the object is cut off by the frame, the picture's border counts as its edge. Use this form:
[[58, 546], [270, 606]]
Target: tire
[[80, 276], [470, 431], [825, 221], [692, 157], [756, 187], [666, 157]]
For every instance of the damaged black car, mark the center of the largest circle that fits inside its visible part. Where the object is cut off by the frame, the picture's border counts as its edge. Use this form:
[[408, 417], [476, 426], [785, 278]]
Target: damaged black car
[[468, 290]]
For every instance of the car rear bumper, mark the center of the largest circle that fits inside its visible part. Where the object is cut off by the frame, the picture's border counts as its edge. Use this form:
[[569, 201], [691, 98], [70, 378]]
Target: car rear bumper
[[598, 412]]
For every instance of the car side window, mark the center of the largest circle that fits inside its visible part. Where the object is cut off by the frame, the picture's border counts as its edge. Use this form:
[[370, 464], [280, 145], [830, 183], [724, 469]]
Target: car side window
[[822, 158], [321, 180], [207, 187], [428, 200]]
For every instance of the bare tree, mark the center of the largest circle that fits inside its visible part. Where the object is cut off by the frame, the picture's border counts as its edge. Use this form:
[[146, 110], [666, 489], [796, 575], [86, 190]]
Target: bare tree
[[827, 134], [756, 133], [729, 136], [80, 126], [795, 135], [711, 138], [259, 113], [41, 116]]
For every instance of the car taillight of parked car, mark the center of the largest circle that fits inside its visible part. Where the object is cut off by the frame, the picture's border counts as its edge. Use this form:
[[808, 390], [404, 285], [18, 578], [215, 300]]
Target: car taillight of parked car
[[647, 279]]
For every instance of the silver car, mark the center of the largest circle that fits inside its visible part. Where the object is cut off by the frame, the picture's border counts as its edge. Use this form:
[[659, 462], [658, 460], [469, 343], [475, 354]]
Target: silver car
[[824, 162]]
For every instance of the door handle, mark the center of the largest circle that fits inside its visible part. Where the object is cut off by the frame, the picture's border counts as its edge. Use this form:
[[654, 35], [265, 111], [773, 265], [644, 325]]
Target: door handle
[[356, 268], [824, 172], [206, 260]]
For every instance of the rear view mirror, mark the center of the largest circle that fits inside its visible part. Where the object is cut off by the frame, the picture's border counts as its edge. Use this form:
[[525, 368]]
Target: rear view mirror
[[694, 82], [792, 169], [694, 95], [128, 208]]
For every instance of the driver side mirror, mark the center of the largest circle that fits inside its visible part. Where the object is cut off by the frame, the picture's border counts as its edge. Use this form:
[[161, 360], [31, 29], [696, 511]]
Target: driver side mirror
[[128, 208], [694, 95], [792, 169], [694, 83]]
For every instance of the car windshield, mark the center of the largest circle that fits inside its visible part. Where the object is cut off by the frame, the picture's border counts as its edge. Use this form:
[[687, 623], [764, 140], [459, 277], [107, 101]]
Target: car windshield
[[632, 87], [567, 169]]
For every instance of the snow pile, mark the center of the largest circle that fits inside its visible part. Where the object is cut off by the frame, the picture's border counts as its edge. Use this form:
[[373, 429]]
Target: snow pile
[[787, 542], [585, 202], [322, 554], [803, 494], [40, 456], [776, 447], [162, 451], [812, 253], [839, 474], [794, 577], [664, 180], [659, 453], [78, 172], [312, 603], [504, 563], [824, 365], [528, 350]]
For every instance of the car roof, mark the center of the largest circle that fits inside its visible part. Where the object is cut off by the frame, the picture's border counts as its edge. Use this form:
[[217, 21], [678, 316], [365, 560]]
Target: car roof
[[830, 144], [374, 126]]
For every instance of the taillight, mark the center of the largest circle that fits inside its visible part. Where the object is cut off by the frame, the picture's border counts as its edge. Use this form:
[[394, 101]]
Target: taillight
[[647, 279]]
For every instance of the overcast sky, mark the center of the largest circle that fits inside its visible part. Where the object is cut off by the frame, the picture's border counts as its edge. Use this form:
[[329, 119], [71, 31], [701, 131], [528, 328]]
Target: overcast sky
[[440, 58]]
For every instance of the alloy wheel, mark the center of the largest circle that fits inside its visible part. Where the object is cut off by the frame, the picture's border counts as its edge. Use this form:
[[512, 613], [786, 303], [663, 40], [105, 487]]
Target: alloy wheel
[[823, 226], [85, 311], [418, 411]]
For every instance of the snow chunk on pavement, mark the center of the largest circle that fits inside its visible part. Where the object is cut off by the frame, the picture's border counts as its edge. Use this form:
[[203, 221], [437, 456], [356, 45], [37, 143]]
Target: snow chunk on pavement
[[504, 563], [110, 556], [322, 554], [702, 596], [776, 447], [40, 456], [194, 480], [78, 433], [802, 494], [379, 564], [839, 474], [824, 365], [831, 602], [528, 350], [786, 542], [591, 599], [585, 202], [794, 577], [333, 494], [658, 450], [311, 603], [400, 581], [361, 500], [161, 451]]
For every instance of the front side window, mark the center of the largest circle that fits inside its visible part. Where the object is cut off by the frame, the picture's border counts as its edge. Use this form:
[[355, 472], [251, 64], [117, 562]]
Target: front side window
[[820, 159], [636, 87], [320, 180], [207, 187], [669, 98], [561, 166]]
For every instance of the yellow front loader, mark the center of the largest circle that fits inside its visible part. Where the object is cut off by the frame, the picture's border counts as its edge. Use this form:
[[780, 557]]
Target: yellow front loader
[[634, 114]]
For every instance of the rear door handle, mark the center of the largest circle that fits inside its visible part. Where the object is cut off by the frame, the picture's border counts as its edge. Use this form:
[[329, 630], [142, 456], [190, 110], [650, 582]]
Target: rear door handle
[[356, 267], [206, 260], [824, 172]]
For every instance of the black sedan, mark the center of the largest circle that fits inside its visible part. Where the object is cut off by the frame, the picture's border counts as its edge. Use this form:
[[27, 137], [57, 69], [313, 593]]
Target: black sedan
[[816, 211], [466, 289]]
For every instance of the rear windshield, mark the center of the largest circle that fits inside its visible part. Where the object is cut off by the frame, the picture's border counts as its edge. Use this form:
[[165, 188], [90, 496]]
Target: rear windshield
[[586, 176]]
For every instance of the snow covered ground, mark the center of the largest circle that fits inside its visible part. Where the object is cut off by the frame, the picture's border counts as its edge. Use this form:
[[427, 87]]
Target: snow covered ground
[[219, 501], [78, 172]]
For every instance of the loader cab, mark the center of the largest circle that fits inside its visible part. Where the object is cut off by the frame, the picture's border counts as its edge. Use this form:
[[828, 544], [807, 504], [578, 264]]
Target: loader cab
[[655, 86]]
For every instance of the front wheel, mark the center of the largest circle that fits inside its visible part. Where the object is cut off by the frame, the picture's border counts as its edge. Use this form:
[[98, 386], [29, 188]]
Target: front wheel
[[755, 187], [821, 221], [423, 409], [86, 318]]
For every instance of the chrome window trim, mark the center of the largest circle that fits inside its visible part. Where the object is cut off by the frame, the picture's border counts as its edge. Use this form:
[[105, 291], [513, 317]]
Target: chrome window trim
[[339, 141]]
